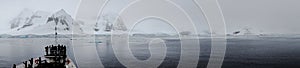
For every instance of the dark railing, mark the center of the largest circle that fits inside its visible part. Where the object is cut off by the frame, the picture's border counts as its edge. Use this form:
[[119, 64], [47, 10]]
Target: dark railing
[[55, 53]]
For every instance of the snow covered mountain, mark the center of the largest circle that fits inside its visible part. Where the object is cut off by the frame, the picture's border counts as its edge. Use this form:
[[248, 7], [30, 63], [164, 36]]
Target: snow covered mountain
[[41, 23], [27, 18], [108, 23]]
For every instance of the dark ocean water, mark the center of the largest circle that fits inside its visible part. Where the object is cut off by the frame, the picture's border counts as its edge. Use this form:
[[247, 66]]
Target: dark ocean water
[[240, 53]]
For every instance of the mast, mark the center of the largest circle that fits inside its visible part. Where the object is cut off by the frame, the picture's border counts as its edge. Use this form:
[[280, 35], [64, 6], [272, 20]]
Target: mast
[[56, 22]]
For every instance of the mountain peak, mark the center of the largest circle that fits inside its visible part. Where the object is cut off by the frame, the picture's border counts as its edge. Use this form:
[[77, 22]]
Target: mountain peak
[[41, 22], [60, 13], [26, 13]]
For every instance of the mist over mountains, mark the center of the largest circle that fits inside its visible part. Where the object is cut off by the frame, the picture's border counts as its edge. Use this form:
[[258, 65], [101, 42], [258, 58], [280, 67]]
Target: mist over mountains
[[42, 24]]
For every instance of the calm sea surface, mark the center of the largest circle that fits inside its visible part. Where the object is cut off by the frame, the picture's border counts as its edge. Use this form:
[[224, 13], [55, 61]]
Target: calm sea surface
[[241, 53]]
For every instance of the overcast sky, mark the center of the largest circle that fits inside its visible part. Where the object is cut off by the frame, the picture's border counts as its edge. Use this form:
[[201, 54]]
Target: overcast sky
[[267, 16], [270, 16]]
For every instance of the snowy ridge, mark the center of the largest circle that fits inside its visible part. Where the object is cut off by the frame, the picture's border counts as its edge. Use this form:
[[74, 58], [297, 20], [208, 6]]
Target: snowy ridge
[[21, 19], [43, 23]]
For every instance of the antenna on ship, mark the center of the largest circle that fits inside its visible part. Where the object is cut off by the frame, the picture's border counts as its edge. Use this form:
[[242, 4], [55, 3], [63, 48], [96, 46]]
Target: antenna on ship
[[56, 22]]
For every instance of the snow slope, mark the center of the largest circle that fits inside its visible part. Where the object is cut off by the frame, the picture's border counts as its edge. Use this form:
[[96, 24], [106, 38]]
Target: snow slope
[[41, 23]]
